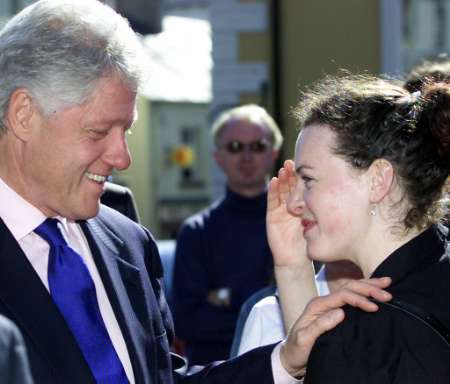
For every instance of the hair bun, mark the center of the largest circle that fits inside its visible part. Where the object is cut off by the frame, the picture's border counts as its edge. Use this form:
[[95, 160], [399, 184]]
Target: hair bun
[[437, 104]]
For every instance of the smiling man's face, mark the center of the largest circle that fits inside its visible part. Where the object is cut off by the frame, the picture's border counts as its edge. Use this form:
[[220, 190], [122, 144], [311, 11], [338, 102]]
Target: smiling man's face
[[69, 154]]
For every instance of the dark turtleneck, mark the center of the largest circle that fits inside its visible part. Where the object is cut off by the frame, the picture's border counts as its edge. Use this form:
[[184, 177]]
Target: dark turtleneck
[[240, 203], [225, 245]]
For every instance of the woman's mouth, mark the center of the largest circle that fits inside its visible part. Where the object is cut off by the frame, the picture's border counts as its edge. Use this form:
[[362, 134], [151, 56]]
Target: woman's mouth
[[307, 225]]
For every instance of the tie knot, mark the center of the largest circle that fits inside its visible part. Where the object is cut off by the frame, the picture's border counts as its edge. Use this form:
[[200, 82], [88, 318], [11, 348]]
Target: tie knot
[[50, 232]]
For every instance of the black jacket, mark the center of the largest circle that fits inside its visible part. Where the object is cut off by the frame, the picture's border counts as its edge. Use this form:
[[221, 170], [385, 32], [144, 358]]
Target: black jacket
[[390, 346]]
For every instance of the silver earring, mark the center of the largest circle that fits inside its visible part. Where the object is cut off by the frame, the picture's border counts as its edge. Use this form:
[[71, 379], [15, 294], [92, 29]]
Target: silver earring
[[373, 212]]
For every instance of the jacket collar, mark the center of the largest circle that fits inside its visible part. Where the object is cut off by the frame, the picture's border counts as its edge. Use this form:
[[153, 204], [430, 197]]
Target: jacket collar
[[424, 249], [120, 277]]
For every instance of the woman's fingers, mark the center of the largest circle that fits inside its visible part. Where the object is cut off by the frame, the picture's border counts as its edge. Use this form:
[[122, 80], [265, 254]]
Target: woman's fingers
[[283, 184], [291, 175], [357, 292], [280, 187], [324, 313], [273, 195]]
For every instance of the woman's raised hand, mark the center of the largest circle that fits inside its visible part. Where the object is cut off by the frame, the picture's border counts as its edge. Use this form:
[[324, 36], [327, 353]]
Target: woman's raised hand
[[284, 228], [293, 270]]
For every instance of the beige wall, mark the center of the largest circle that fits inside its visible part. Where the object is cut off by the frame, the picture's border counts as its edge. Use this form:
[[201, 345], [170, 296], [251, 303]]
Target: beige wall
[[316, 37], [138, 176], [319, 37]]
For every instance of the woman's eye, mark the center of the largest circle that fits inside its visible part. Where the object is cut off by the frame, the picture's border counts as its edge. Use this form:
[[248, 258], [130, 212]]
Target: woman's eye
[[307, 180]]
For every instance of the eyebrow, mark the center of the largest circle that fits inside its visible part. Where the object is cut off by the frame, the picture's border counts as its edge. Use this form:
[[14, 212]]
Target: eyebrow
[[110, 121], [302, 167]]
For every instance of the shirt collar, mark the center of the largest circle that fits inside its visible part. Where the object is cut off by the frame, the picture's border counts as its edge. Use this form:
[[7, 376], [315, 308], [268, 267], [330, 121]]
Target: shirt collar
[[19, 215], [256, 203]]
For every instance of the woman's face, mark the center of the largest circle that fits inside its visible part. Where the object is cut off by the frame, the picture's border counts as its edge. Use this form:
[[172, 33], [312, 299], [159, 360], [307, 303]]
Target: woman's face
[[331, 198]]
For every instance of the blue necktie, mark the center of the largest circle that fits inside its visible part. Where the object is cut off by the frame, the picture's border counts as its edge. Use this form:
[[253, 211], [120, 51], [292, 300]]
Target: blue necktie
[[73, 291]]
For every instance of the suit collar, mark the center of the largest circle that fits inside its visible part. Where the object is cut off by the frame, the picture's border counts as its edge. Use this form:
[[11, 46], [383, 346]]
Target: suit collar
[[121, 278]]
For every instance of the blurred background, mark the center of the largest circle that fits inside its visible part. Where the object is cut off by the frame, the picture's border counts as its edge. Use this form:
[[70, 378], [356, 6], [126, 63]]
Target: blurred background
[[205, 56]]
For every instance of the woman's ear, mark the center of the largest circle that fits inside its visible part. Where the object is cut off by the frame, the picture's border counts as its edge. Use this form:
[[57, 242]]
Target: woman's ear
[[19, 112], [381, 178]]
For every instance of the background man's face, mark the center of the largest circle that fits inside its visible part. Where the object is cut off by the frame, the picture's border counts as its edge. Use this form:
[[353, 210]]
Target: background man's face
[[246, 156], [72, 151]]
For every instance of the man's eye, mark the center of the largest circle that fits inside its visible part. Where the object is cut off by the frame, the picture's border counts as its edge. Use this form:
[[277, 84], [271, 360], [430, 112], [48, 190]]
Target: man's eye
[[98, 133]]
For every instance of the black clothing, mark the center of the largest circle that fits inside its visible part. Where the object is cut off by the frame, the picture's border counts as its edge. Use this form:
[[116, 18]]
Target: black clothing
[[121, 199], [390, 346], [224, 246]]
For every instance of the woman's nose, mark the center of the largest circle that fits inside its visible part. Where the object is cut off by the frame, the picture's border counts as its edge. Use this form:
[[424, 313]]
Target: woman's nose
[[295, 199]]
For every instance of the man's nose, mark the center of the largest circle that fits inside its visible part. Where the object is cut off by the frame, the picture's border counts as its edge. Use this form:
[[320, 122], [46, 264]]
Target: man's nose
[[247, 153], [118, 153]]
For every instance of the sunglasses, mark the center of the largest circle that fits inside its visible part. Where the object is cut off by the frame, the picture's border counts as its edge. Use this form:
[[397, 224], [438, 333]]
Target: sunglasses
[[236, 146]]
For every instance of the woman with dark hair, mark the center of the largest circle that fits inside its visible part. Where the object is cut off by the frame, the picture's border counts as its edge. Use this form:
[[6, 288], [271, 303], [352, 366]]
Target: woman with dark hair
[[372, 160]]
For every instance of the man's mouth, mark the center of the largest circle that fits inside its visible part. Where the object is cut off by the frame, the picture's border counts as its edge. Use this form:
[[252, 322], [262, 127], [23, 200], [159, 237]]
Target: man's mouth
[[97, 178]]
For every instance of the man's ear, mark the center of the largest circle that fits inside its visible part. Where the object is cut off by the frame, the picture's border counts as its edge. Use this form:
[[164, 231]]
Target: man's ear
[[381, 179], [275, 154], [218, 157], [19, 113]]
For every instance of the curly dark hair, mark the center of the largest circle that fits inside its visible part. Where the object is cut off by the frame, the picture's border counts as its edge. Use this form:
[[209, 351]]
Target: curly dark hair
[[374, 118], [428, 71]]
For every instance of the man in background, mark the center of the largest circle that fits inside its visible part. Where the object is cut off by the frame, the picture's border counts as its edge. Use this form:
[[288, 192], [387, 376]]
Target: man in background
[[222, 254]]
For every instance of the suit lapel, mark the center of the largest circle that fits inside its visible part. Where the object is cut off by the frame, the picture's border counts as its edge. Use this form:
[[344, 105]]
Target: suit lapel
[[119, 277], [24, 299]]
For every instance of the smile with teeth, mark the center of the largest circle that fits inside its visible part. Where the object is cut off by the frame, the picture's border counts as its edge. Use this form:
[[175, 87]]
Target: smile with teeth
[[96, 178]]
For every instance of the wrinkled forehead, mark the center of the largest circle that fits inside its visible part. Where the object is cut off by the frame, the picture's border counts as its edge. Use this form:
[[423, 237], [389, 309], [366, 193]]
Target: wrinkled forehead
[[111, 100]]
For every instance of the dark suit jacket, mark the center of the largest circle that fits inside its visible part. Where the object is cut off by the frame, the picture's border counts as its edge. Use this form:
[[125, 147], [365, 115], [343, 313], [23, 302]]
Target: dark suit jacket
[[121, 199], [128, 262]]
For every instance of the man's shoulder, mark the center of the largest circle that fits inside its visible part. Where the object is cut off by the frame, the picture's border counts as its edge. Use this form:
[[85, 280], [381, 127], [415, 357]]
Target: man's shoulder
[[109, 219], [107, 214], [112, 227], [204, 217]]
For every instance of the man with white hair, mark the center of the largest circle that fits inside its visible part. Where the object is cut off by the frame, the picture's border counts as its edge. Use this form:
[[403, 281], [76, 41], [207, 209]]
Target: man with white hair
[[222, 255]]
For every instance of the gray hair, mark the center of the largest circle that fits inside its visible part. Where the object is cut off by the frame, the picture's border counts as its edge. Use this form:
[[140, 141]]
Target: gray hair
[[59, 49], [250, 112]]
